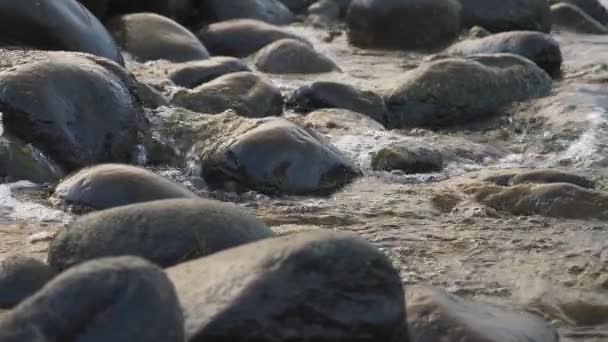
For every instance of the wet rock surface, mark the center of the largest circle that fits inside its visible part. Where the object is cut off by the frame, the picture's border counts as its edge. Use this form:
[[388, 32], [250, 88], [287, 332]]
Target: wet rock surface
[[290, 56], [435, 315], [248, 94], [148, 36], [509, 15], [73, 128], [113, 185], [428, 24], [568, 16], [270, 11], [109, 299], [278, 157], [349, 288], [164, 232], [72, 28], [241, 37], [338, 95], [193, 74], [21, 277], [439, 94], [535, 46]]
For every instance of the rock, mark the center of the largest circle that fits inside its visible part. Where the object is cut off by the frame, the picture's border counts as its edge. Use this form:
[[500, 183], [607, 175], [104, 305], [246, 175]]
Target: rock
[[19, 161], [20, 277], [458, 90], [72, 28], [541, 177], [276, 156], [290, 56], [150, 97], [478, 32], [538, 47], [42, 102], [434, 315], [409, 159], [327, 10], [313, 286], [241, 37], [296, 5], [164, 232], [507, 15], [193, 74], [149, 36], [561, 200], [180, 10], [270, 11], [248, 94], [117, 299], [569, 17], [113, 185], [403, 24], [323, 94], [329, 120], [594, 8]]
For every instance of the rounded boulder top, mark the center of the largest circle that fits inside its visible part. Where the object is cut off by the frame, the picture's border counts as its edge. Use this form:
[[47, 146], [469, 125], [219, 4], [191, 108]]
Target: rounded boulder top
[[55, 25]]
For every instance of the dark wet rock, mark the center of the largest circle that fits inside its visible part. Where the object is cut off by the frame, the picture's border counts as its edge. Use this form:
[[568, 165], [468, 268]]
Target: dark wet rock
[[277, 157], [435, 315], [193, 74], [561, 200], [149, 36], [150, 97], [409, 159], [325, 94], [538, 47], [290, 56], [19, 161], [403, 24], [113, 185], [241, 37], [478, 32], [296, 6], [334, 119], [460, 90], [21, 277], [270, 11], [507, 15], [180, 10], [314, 286], [116, 299], [594, 8], [327, 10], [43, 103], [541, 177], [248, 94], [72, 28], [570, 17], [164, 232]]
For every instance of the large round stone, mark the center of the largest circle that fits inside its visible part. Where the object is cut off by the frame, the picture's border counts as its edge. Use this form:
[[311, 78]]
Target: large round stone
[[315, 286], [241, 37], [403, 24], [21, 277], [164, 232], [290, 56], [118, 299], [538, 47], [113, 185], [594, 8], [78, 109], [270, 11], [567, 16], [454, 90], [246, 93], [193, 74], [149, 36], [55, 25], [279, 157], [507, 15]]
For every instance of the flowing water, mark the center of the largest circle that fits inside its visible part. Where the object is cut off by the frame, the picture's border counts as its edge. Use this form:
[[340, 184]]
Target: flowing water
[[424, 223]]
